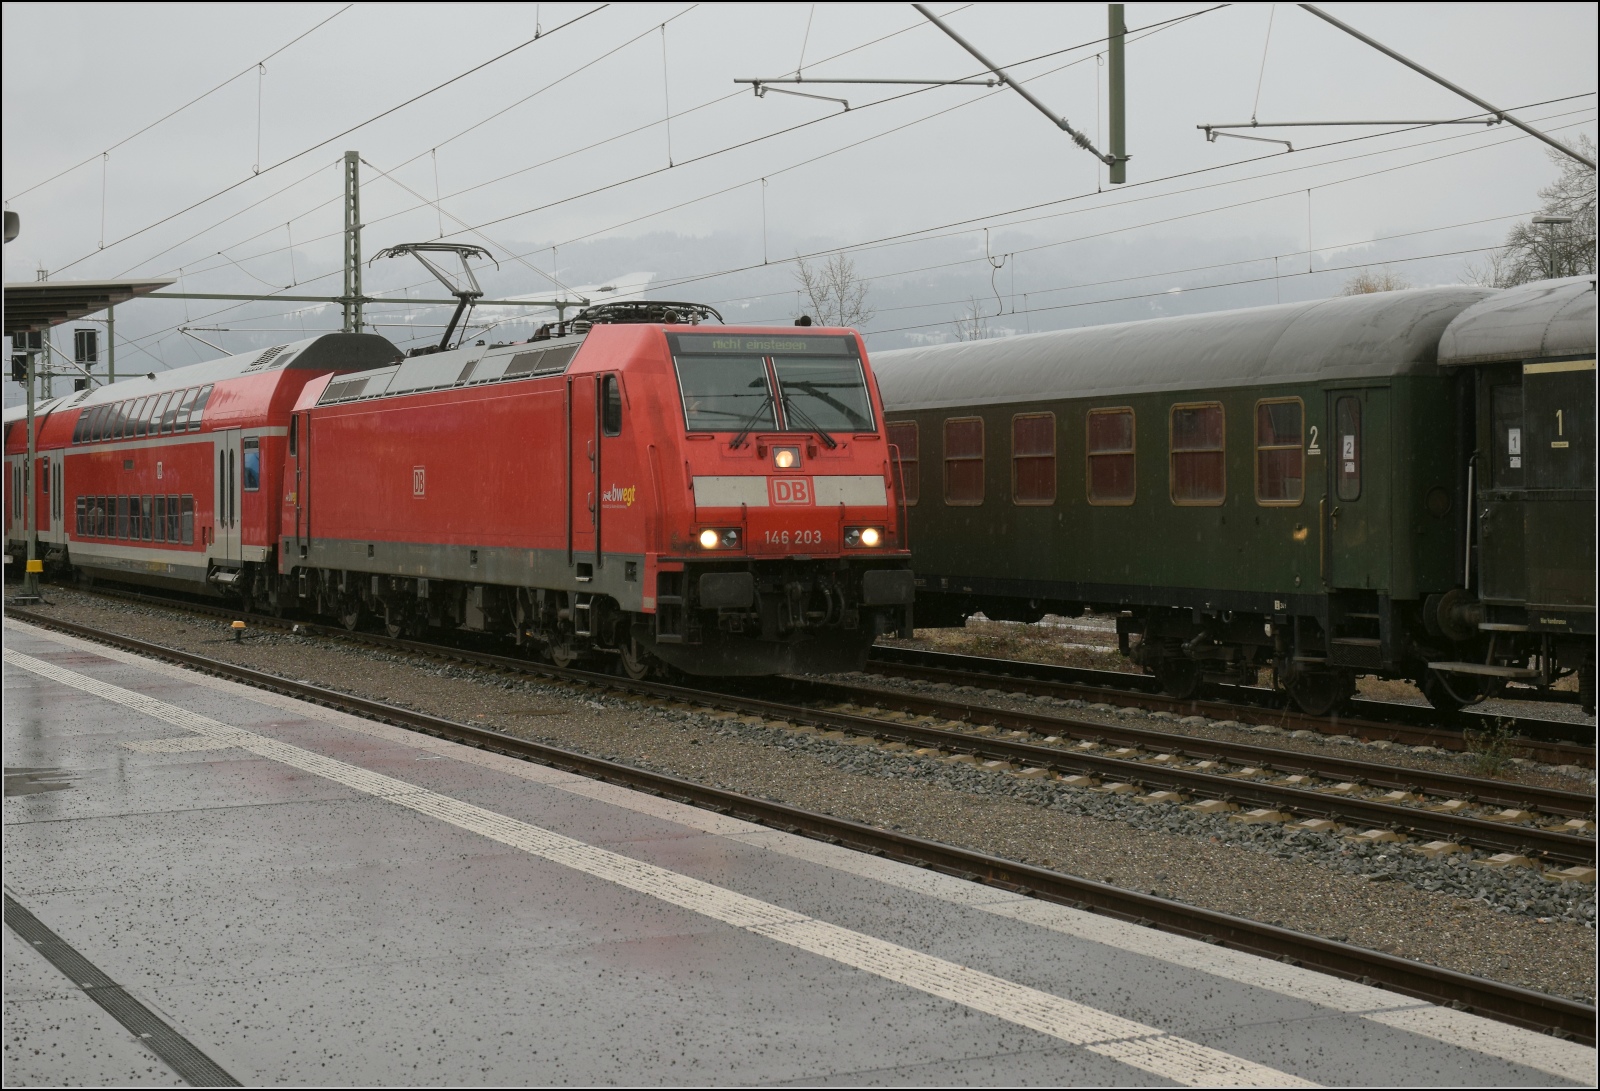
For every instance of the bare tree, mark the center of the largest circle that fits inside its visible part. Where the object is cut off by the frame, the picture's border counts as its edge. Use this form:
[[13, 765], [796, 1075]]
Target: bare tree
[[972, 324], [837, 293], [1542, 251], [1367, 282]]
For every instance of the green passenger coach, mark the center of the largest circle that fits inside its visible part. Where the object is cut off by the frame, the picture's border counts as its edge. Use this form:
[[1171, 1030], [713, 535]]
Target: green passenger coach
[[1279, 488], [1526, 357]]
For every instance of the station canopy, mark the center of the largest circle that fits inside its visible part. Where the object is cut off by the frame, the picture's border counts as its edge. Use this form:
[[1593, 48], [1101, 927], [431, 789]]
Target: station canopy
[[40, 304]]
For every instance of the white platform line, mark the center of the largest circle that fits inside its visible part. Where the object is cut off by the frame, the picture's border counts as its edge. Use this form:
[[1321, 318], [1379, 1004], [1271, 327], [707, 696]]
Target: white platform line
[[1145, 1047], [1566, 1060]]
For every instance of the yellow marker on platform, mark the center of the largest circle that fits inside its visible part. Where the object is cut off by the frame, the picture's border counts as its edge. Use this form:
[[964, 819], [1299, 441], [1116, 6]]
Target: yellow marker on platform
[[36, 565]]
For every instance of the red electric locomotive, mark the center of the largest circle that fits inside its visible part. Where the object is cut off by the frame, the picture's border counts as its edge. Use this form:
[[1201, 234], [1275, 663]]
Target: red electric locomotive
[[715, 499], [719, 500]]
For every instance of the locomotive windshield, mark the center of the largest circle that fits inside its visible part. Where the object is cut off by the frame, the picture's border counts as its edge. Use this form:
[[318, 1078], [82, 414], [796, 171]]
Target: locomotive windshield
[[727, 383], [819, 393], [725, 393]]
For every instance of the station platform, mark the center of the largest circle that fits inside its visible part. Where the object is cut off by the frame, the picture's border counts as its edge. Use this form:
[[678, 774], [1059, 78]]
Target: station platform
[[206, 884]]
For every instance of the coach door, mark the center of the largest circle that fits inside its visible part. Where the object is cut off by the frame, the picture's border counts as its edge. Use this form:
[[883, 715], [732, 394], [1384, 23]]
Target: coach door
[[583, 470], [225, 502], [1354, 515], [300, 484], [56, 528]]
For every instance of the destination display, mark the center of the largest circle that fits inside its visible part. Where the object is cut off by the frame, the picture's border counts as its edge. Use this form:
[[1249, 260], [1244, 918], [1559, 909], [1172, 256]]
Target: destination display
[[746, 344]]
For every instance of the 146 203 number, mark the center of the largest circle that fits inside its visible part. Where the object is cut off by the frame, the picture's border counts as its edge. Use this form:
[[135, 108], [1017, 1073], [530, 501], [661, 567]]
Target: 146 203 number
[[794, 537]]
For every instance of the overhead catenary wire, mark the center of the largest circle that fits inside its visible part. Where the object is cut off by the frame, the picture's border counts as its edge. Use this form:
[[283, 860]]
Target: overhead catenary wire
[[968, 225], [1363, 241], [174, 113], [1150, 28], [433, 149], [1160, 195], [1208, 287], [924, 234], [336, 136]]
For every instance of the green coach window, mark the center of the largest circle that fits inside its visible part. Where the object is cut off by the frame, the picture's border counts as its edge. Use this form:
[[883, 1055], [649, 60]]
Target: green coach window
[[1198, 466], [1033, 458], [903, 437], [963, 461], [1110, 476], [1280, 455]]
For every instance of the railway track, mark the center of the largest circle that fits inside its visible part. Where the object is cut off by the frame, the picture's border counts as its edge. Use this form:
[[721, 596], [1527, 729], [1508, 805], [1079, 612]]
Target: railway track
[[1441, 812], [1523, 1007], [1557, 742]]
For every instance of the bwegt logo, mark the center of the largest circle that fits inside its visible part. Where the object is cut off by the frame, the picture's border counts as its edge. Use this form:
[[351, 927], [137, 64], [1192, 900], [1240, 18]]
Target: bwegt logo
[[620, 494]]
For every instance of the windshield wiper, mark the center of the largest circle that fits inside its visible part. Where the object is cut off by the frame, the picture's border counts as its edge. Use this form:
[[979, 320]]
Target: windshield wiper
[[750, 422], [792, 410]]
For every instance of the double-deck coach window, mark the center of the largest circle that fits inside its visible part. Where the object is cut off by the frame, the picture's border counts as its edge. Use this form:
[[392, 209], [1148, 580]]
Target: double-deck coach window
[[1198, 468], [903, 438], [963, 461], [252, 464], [1347, 434], [1111, 476], [1033, 458], [168, 519], [1280, 454]]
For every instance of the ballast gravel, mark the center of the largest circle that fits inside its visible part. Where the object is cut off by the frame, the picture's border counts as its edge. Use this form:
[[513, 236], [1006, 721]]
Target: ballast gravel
[[1511, 925], [1570, 778]]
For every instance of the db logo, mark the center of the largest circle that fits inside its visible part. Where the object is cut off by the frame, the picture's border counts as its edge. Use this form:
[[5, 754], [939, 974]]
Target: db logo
[[790, 490], [419, 481]]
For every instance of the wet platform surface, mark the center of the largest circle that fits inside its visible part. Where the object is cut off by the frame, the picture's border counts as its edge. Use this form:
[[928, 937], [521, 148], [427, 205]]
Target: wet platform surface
[[305, 897]]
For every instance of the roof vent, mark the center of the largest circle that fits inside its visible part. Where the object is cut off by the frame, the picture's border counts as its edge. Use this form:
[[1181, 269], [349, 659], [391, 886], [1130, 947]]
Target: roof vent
[[265, 358]]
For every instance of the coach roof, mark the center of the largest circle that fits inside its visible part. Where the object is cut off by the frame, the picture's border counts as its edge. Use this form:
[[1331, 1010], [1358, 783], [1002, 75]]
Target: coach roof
[[1347, 337], [329, 352], [1547, 318]]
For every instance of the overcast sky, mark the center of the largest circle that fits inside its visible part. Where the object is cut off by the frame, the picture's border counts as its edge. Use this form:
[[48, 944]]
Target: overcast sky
[[562, 144]]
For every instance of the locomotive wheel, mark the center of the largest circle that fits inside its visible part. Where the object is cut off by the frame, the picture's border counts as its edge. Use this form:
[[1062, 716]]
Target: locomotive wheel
[[634, 661], [1320, 693], [1179, 678]]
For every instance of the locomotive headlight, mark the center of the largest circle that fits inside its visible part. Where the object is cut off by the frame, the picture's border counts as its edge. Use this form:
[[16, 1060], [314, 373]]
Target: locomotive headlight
[[862, 537], [786, 458], [709, 539], [870, 537], [719, 538]]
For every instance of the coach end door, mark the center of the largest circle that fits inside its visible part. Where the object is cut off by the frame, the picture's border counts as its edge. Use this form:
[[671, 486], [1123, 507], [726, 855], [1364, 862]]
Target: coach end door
[[224, 549]]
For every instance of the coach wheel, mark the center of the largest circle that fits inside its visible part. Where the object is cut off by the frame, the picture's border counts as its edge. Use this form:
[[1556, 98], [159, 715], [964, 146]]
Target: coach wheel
[[562, 654], [1321, 693], [1586, 686], [352, 615], [1449, 693], [634, 660], [1179, 677]]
